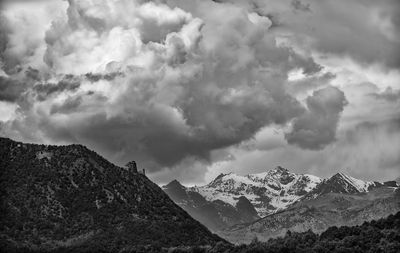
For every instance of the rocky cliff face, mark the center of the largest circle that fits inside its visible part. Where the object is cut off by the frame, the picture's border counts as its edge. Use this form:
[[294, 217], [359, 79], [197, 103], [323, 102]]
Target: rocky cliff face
[[69, 196]]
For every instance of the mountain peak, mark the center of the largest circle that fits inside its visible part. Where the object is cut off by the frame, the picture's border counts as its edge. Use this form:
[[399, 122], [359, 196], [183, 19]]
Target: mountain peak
[[348, 179], [340, 174], [221, 175], [173, 184], [278, 170], [218, 179], [342, 183]]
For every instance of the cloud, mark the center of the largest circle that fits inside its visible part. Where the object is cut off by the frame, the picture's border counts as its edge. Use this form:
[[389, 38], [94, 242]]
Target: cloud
[[70, 105], [364, 30], [68, 83], [298, 5], [368, 151], [160, 85], [97, 77], [10, 89], [14, 88], [300, 84], [388, 95], [317, 127], [22, 29], [169, 83]]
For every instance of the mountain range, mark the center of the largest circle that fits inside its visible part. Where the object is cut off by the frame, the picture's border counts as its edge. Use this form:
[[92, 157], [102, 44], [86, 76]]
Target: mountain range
[[279, 200], [70, 197]]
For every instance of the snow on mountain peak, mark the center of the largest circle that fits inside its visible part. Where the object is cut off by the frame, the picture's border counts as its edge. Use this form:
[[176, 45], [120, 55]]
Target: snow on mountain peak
[[359, 185], [341, 183], [279, 169], [267, 191], [275, 189]]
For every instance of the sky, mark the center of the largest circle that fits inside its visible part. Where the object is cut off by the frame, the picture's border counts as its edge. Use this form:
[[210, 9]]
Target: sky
[[192, 89]]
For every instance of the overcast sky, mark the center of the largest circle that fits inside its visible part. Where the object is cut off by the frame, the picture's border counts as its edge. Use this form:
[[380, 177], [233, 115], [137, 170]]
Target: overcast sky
[[190, 89]]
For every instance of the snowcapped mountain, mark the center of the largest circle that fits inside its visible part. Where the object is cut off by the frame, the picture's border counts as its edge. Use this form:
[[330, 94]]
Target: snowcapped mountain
[[323, 211], [232, 199], [342, 183], [268, 192], [215, 214]]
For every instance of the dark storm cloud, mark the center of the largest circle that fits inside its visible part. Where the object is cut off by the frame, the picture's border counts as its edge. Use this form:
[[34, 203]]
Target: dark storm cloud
[[157, 137], [298, 5], [317, 127], [68, 83], [14, 87], [307, 64], [389, 95], [10, 89], [95, 77], [32, 74], [193, 90], [3, 36], [70, 105], [275, 21]]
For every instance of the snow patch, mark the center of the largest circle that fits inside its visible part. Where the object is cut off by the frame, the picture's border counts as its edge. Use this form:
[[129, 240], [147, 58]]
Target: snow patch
[[360, 185], [268, 191]]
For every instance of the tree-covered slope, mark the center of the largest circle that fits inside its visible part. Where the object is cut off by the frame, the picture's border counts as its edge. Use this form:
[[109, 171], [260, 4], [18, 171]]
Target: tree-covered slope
[[69, 196], [381, 235]]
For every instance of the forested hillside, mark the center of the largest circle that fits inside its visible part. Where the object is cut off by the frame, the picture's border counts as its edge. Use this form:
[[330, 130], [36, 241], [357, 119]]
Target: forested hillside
[[381, 235], [70, 197]]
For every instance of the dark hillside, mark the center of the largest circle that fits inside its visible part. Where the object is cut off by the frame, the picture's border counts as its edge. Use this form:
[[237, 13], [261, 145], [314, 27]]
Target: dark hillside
[[69, 196]]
